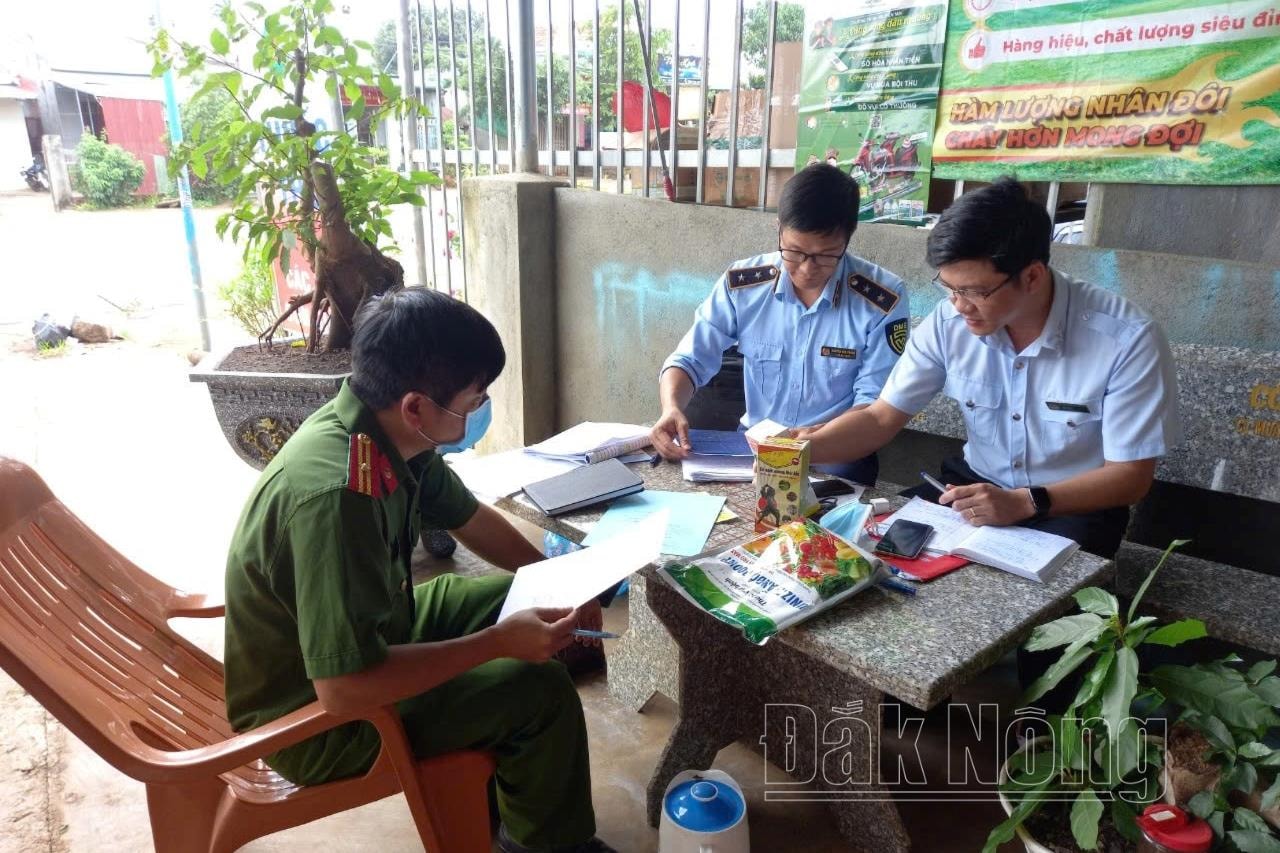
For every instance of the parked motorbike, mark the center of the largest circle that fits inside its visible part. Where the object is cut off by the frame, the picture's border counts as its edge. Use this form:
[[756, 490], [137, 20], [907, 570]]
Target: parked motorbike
[[36, 176]]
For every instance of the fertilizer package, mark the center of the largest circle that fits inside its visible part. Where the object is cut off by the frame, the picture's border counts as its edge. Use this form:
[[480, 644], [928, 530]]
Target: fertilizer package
[[777, 579]]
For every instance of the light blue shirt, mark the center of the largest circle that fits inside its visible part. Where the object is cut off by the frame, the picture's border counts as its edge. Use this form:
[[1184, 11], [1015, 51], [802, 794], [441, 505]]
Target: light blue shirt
[[1097, 385], [801, 365]]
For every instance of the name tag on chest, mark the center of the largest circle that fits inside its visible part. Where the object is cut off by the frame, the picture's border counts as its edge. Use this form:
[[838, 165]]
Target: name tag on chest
[[839, 352], [1067, 407]]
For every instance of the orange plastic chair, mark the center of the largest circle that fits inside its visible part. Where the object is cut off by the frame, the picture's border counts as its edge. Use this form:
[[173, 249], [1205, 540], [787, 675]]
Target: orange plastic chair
[[86, 633]]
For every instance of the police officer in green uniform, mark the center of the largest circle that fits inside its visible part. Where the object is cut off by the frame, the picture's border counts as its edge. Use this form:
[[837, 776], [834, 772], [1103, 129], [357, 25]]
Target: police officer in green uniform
[[320, 603]]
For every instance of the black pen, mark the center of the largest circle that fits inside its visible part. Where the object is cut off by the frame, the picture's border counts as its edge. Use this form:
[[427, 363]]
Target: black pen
[[655, 459]]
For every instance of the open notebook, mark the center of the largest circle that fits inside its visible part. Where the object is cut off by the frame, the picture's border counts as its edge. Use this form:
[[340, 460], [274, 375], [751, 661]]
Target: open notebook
[[590, 442], [1027, 553]]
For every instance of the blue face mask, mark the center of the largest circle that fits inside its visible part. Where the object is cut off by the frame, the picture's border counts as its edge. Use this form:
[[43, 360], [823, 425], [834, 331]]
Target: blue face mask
[[477, 424]]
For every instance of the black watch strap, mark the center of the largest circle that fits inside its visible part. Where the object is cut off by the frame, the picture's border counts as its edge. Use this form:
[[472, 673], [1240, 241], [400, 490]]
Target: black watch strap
[[1040, 499]]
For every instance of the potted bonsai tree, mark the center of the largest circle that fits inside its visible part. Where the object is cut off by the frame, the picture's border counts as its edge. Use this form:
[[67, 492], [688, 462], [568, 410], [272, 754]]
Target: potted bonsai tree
[[1085, 780], [297, 186]]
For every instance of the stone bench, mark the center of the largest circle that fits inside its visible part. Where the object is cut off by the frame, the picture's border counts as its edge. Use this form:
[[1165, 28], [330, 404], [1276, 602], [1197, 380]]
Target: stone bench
[[1220, 488]]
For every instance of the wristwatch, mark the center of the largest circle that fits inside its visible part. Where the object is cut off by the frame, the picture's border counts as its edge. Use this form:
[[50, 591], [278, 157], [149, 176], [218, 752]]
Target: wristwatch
[[1040, 500]]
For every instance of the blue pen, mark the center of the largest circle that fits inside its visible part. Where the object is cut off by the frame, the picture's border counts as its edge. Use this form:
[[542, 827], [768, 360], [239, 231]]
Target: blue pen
[[595, 635], [898, 586]]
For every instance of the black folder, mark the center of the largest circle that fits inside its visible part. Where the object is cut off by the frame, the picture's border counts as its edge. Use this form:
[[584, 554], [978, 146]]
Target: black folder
[[590, 484]]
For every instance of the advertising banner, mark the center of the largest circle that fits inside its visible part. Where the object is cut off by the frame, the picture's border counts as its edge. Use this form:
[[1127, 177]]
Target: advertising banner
[[1143, 91], [868, 97]]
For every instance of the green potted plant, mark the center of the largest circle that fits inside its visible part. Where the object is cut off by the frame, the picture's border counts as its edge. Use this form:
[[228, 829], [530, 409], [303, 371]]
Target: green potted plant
[[1086, 780], [295, 184], [1219, 765]]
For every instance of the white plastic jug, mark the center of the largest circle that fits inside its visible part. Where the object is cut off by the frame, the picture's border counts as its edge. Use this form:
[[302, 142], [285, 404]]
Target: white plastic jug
[[703, 811]]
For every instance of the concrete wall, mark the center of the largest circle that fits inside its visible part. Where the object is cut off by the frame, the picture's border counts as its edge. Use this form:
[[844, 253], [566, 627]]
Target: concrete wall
[[15, 148], [1231, 223], [631, 271]]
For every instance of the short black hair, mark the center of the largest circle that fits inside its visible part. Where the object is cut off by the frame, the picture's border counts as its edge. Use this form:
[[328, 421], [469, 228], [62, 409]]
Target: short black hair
[[416, 339], [819, 199], [1000, 223]]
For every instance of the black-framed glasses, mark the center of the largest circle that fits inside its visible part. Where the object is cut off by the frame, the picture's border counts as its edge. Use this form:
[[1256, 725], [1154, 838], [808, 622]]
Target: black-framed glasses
[[969, 294], [475, 407], [797, 257]]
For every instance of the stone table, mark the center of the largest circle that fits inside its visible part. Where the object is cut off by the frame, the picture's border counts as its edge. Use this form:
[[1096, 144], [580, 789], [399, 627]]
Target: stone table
[[845, 661]]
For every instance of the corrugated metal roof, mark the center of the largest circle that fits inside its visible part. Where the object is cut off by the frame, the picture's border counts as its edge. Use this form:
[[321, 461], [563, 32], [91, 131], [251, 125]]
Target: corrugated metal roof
[[16, 93], [136, 87]]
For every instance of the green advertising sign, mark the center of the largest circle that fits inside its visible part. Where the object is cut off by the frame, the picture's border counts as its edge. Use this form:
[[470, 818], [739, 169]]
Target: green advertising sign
[[868, 97], [1147, 91]]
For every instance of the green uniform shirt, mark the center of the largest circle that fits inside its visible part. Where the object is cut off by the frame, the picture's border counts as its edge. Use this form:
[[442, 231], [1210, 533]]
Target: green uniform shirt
[[318, 581]]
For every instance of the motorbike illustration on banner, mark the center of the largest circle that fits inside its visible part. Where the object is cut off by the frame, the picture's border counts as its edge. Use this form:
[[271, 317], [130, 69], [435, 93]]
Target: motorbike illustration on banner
[[868, 98]]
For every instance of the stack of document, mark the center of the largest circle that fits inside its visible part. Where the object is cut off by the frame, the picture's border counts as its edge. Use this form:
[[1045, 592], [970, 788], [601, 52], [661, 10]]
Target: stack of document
[[501, 475], [719, 469], [591, 442]]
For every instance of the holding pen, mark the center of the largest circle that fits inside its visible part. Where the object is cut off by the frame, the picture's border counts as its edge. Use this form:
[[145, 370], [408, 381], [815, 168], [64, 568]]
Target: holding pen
[[933, 482]]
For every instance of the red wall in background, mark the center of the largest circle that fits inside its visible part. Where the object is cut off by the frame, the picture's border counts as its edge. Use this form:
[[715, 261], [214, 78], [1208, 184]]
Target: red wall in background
[[139, 128]]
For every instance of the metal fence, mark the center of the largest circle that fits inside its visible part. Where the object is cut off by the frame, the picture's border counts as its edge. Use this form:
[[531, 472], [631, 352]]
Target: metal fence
[[728, 104]]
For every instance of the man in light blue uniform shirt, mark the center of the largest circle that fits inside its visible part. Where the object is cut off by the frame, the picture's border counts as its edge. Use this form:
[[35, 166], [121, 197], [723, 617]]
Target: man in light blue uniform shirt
[[1068, 392], [819, 328]]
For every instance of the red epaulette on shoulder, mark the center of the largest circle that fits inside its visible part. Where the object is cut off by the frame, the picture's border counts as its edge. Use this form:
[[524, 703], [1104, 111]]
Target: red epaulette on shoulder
[[368, 469]]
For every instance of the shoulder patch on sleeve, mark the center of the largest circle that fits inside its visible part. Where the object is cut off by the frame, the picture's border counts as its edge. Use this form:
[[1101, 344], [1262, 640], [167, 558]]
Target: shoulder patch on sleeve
[[368, 469], [751, 276], [896, 333], [877, 294]]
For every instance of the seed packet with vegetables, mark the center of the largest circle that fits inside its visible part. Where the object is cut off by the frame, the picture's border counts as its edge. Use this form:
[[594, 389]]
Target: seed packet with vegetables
[[777, 579]]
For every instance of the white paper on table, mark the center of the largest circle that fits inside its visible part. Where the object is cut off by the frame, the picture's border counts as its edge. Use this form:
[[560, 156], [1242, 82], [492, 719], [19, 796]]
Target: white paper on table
[[588, 437], [500, 475], [573, 579]]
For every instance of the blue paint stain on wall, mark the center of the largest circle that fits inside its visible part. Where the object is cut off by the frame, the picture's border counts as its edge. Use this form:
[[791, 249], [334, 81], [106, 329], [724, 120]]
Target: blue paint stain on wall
[[627, 296]]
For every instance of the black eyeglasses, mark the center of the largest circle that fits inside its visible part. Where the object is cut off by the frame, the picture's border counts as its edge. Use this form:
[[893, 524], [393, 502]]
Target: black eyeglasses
[[797, 257], [968, 294], [475, 407]]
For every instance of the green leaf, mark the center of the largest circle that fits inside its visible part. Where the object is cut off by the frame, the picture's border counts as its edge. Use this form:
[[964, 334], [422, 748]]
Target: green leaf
[[1268, 690], [1220, 693], [1215, 821], [1123, 751], [199, 166], [1249, 820], [1142, 590], [1272, 794], [1260, 670], [1124, 818], [329, 36], [1074, 655], [1086, 811], [1095, 600], [1177, 633], [1094, 678], [1119, 688], [1006, 829], [219, 42], [1254, 842], [1068, 629], [285, 111], [1201, 805], [1217, 734], [1244, 778], [1254, 749]]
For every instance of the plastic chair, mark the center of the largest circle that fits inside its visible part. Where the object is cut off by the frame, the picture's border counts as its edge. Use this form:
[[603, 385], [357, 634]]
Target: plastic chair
[[86, 633]]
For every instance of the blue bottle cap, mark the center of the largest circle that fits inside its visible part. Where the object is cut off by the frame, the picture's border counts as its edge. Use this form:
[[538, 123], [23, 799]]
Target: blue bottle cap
[[704, 805]]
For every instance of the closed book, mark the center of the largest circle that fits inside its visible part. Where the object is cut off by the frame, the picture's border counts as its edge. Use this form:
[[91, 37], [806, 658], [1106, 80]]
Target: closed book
[[581, 487]]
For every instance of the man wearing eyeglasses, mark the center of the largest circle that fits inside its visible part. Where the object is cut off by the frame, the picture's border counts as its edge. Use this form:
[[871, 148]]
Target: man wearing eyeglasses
[[1068, 392], [818, 327]]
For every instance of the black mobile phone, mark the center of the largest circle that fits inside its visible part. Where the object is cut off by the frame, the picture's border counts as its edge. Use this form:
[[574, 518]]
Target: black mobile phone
[[905, 539], [831, 488]]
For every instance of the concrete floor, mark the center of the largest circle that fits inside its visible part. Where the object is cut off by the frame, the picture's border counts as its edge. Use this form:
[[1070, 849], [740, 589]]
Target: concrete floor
[[131, 446]]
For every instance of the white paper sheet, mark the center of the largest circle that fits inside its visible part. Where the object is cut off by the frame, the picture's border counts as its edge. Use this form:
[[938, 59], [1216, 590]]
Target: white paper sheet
[[573, 579], [499, 475], [589, 437]]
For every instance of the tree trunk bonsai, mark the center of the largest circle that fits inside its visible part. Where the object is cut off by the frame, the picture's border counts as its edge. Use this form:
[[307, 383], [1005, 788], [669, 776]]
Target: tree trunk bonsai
[[293, 180]]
